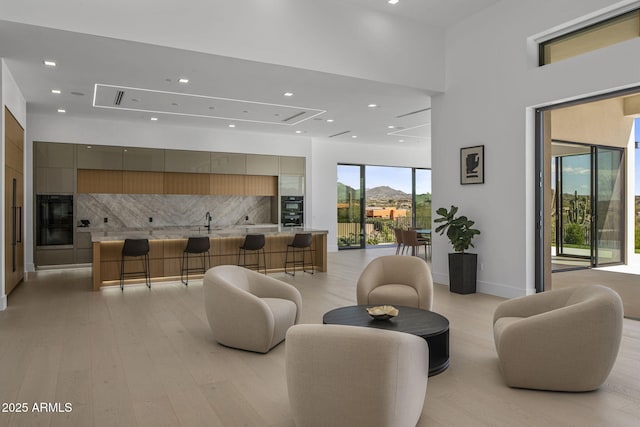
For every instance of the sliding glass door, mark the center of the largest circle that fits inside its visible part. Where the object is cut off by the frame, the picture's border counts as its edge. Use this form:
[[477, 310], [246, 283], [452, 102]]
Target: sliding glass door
[[589, 205], [610, 225], [350, 206]]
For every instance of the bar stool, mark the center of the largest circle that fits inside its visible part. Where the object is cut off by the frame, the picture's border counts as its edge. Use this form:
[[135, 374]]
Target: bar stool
[[138, 248], [197, 246], [253, 242], [300, 241]]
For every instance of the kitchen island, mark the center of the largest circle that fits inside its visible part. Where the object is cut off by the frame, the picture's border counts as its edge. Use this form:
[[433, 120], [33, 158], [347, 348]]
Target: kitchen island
[[166, 245]]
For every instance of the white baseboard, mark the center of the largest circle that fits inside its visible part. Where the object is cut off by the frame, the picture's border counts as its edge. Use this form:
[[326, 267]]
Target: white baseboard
[[489, 288], [3, 302]]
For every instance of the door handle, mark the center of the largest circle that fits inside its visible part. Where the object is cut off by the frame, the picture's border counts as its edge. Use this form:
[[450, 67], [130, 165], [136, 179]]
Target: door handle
[[19, 240]]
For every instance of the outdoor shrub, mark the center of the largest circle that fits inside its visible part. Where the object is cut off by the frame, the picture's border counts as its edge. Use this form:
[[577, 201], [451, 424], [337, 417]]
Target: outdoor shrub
[[574, 234]]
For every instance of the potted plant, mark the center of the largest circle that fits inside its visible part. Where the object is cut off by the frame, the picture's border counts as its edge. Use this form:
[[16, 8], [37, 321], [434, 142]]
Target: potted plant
[[462, 265]]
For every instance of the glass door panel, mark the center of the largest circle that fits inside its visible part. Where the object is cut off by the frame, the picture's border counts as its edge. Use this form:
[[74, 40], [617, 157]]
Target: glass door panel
[[350, 206], [574, 206], [610, 210], [423, 199]]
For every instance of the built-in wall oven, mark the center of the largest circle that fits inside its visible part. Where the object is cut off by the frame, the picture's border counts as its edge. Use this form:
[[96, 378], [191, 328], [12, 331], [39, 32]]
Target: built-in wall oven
[[54, 226], [292, 211]]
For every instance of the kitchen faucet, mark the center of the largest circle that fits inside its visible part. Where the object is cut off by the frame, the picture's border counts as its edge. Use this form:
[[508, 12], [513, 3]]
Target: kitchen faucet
[[208, 218]]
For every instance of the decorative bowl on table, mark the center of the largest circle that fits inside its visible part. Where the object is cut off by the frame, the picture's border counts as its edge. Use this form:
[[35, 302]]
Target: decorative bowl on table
[[382, 312]]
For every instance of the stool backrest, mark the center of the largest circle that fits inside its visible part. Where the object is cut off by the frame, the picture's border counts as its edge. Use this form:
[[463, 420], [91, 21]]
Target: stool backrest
[[135, 247], [253, 242], [302, 240], [197, 245]]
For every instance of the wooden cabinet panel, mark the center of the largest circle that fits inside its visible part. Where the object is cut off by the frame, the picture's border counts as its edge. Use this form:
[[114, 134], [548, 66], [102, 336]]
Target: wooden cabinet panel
[[258, 164], [134, 182], [186, 183], [99, 181], [54, 155], [143, 159], [99, 157], [227, 185], [229, 163], [54, 180], [187, 161], [13, 202], [292, 165], [256, 185]]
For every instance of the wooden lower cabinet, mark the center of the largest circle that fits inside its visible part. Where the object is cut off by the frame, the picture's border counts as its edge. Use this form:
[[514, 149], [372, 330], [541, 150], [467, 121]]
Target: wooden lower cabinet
[[165, 257]]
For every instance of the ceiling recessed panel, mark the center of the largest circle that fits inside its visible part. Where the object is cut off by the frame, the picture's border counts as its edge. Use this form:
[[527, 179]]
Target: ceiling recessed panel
[[184, 104], [420, 131]]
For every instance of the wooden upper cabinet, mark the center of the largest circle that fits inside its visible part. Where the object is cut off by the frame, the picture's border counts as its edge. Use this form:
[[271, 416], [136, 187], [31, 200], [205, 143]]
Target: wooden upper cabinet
[[137, 182], [227, 184], [99, 181], [55, 180], [259, 164], [292, 165], [99, 157], [143, 159], [256, 185], [187, 161], [229, 163], [187, 183]]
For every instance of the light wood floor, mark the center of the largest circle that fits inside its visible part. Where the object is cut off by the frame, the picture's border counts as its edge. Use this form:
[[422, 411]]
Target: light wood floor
[[146, 358]]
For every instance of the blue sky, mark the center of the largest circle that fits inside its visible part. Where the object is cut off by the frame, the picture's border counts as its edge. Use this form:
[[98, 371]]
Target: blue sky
[[377, 176]]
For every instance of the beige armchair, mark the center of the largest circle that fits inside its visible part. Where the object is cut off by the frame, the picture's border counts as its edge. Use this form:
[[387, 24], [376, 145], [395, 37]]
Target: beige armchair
[[565, 340], [248, 310], [353, 376], [396, 279]]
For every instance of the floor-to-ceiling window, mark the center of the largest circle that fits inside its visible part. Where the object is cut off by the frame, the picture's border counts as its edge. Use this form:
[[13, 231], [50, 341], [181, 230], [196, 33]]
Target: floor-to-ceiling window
[[373, 200]]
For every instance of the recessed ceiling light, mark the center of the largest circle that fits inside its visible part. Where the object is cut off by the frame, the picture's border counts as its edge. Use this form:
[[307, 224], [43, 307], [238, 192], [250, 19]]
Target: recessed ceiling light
[[393, 1], [61, 110], [329, 120], [88, 146], [372, 105], [56, 91], [298, 131], [391, 127], [232, 126], [288, 94], [401, 140], [183, 80], [49, 63], [154, 119], [354, 136]]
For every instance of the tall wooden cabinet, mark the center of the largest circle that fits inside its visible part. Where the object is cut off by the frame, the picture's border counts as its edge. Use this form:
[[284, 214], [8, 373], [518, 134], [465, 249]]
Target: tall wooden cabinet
[[14, 202]]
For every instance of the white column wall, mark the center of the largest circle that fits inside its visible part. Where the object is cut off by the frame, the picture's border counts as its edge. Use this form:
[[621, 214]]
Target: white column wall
[[493, 83], [12, 98], [326, 154], [333, 36]]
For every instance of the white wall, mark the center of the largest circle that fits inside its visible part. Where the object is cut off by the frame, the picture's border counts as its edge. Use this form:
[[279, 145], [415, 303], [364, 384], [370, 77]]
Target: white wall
[[493, 82], [333, 36], [326, 154], [11, 98]]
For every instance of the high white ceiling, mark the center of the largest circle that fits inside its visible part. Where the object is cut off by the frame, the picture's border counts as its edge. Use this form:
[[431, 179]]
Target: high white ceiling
[[221, 91]]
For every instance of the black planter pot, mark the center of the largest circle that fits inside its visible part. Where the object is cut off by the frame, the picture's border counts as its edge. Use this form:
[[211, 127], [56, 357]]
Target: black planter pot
[[463, 269]]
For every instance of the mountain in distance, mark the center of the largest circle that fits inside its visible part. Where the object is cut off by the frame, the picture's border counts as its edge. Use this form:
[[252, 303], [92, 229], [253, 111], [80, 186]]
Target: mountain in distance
[[386, 193]]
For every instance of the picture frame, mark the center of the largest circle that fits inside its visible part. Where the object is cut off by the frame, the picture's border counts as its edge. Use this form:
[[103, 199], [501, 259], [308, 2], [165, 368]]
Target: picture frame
[[472, 165]]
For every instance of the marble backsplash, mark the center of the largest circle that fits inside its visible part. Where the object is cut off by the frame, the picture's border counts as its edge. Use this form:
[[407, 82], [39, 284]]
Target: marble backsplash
[[134, 210]]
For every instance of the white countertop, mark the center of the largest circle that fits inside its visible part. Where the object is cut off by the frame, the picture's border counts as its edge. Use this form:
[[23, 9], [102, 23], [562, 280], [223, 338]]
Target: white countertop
[[101, 234]]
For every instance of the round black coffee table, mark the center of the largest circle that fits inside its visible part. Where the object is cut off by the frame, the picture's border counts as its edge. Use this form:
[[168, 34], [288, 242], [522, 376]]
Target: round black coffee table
[[433, 327]]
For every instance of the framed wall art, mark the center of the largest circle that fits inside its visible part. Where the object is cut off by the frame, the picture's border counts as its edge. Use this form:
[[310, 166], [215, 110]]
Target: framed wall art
[[472, 165]]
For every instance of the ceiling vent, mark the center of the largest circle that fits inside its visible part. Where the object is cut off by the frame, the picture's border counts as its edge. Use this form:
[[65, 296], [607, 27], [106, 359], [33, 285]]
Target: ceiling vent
[[294, 116], [413, 112], [119, 96], [338, 134]]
